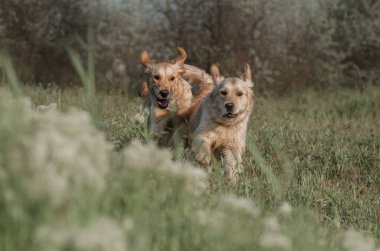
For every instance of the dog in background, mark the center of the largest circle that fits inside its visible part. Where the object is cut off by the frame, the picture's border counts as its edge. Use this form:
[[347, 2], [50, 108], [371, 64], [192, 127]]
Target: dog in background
[[193, 75], [220, 121], [169, 96]]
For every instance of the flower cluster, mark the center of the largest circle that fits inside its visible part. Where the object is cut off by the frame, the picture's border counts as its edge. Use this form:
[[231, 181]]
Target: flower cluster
[[149, 157], [101, 234], [353, 240], [273, 238], [66, 157], [240, 205], [52, 156]]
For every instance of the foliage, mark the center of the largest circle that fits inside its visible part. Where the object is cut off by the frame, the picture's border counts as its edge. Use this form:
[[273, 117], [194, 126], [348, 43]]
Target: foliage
[[292, 44], [311, 173]]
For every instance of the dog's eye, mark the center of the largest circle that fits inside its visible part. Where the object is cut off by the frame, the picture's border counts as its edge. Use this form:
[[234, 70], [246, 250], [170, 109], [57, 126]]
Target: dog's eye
[[224, 93], [239, 94], [172, 78], [156, 77]]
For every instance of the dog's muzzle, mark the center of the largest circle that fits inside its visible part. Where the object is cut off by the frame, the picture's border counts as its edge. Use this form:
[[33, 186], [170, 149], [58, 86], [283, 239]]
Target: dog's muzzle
[[163, 100], [162, 103], [230, 111]]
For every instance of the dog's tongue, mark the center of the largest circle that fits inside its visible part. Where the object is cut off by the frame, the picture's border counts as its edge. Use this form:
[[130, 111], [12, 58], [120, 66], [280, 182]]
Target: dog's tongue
[[162, 103]]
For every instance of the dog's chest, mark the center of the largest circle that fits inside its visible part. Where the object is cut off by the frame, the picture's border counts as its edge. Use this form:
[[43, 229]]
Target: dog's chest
[[226, 136]]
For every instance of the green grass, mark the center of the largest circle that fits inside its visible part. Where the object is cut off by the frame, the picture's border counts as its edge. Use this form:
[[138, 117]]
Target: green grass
[[318, 151]]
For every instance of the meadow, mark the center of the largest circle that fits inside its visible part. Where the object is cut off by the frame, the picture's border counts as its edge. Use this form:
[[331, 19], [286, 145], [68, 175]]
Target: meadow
[[86, 177]]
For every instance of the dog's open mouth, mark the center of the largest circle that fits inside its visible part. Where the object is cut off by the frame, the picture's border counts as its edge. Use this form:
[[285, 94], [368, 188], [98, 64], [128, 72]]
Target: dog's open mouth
[[230, 115], [162, 103]]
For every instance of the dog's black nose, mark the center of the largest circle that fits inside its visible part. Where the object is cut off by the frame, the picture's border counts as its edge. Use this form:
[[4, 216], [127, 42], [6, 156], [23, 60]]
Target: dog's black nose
[[164, 93], [229, 106]]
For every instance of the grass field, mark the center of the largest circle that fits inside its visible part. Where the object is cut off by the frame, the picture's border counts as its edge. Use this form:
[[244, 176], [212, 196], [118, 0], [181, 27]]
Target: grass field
[[75, 181]]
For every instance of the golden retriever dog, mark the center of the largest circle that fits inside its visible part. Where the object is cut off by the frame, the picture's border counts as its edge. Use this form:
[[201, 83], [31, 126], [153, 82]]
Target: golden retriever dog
[[169, 95], [193, 74], [220, 121]]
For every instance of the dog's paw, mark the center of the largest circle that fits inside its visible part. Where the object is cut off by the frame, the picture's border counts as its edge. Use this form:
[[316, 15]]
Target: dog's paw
[[231, 174], [203, 158]]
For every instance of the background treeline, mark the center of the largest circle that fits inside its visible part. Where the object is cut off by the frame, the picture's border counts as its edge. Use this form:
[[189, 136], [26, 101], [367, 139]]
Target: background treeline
[[291, 43]]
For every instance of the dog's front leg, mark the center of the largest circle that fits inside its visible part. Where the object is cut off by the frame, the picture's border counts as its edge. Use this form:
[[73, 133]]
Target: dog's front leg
[[153, 128], [231, 158], [156, 123], [203, 151], [238, 155]]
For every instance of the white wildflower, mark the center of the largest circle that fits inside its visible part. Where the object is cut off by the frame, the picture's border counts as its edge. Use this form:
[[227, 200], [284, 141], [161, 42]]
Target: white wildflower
[[285, 209], [65, 154], [101, 234], [322, 242], [147, 156], [139, 118], [272, 224], [128, 224], [52, 238], [275, 240], [47, 108], [213, 219], [353, 241], [242, 205], [272, 237], [202, 217], [197, 179], [144, 109], [151, 158]]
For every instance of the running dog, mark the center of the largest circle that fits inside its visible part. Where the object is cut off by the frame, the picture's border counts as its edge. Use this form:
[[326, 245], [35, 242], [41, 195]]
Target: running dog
[[220, 121], [169, 95]]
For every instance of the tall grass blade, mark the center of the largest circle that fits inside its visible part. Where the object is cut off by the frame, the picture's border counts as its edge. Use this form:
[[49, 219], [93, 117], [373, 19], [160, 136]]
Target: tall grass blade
[[90, 63], [264, 167], [286, 163], [10, 73], [87, 74]]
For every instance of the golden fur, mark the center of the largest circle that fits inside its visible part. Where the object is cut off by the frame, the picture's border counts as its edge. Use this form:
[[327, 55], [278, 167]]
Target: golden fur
[[169, 95], [220, 121]]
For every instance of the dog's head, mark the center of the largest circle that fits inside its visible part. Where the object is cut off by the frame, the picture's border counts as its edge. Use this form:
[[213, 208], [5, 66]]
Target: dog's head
[[231, 98], [164, 77]]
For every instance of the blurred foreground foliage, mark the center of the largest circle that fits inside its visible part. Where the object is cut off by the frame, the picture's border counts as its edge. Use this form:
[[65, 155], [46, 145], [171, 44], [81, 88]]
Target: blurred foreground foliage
[[68, 182]]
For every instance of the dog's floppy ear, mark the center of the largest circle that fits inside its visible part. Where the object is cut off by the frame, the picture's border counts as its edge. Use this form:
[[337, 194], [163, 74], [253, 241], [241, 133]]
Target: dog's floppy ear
[[214, 71], [144, 90], [247, 77], [146, 61]]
